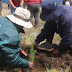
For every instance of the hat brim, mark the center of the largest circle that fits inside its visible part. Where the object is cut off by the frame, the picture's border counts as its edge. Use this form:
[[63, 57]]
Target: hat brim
[[52, 16], [19, 21]]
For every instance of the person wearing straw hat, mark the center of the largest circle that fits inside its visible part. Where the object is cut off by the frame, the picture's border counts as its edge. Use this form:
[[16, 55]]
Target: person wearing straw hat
[[58, 19], [10, 27]]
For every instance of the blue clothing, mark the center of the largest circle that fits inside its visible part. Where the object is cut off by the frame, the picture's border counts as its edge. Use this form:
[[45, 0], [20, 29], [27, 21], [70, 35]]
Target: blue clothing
[[13, 10], [63, 28], [9, 40]]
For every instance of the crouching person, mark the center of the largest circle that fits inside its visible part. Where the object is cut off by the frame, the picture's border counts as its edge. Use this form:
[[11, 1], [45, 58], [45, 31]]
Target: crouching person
[[58, 19], [10, 27]]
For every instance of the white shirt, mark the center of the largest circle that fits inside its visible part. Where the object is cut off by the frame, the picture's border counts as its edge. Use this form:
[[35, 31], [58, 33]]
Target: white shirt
[[67, 3]]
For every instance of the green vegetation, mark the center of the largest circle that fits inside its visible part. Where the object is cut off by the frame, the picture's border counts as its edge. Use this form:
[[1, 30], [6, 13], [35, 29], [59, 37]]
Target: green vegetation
[[32, 53]]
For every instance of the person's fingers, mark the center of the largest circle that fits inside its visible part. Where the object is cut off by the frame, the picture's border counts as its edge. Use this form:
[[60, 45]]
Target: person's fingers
[[56, 51], [31, 65], [23, 52], [35, 44]]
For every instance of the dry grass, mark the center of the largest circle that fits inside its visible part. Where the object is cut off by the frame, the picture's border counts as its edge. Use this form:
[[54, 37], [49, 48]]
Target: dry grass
[[54, 70], [5, 10]]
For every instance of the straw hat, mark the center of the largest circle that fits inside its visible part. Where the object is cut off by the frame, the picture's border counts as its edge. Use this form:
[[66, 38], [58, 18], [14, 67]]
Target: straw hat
[[21, 17]]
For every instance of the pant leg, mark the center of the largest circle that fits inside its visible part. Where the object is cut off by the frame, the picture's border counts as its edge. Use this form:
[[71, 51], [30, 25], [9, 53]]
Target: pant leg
[[36, 14], [12, 10], [30, 8]]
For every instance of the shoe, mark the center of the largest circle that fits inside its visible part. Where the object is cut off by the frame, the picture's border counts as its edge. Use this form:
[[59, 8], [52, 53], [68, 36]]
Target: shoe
[[45, 46]]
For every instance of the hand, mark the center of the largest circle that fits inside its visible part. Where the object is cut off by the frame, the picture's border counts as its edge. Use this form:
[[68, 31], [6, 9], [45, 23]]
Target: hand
[[31, 64], [23, 52], [14, 7], [21, 5], [56, 51], [35, 44]]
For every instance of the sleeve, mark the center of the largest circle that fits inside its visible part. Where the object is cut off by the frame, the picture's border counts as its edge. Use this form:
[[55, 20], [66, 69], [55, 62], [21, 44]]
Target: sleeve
[[49, 28], [11, 53], [9, 41], [66, 42], [12, 57], [66, 36]]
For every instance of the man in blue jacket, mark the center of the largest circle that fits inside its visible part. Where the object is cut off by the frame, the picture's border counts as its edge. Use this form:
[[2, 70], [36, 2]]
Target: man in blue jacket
[[58, 19], [10, 27]]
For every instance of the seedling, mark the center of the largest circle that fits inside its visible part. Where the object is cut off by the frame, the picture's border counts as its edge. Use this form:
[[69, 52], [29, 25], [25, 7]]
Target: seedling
[[32, 53]]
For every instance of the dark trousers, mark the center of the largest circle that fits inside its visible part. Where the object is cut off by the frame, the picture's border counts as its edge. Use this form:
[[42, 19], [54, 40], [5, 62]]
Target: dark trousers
[[34, 9]]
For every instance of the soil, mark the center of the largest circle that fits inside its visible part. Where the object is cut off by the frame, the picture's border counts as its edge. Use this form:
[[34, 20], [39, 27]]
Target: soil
[[46, 59]]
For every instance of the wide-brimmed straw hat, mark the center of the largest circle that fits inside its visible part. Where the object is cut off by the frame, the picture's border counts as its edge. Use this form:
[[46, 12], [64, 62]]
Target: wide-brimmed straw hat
[[50, 10], [21, 17]]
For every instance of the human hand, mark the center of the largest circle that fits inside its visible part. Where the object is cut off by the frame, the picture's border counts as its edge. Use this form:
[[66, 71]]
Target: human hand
[[31, 64], [14, 7], [35, 44], [23, 52], [21, 5], [56, 51]]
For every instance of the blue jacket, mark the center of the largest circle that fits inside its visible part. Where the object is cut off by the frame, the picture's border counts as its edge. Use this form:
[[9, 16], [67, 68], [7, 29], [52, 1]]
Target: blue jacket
[[9, 40], [63, 27]]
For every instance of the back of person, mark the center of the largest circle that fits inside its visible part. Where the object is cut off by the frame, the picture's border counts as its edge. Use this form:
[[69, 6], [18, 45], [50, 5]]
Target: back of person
[[34, 1]]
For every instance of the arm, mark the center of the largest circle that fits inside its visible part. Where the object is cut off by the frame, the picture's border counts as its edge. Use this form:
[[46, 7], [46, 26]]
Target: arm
[[66, 42], [25, 1], [23, 52], [71, 1], [12, 55], [66, 35], [11, 3], [22, 3], [49, 29]]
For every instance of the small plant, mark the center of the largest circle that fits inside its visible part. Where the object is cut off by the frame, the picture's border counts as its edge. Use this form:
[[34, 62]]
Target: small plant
[[32, 53]]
